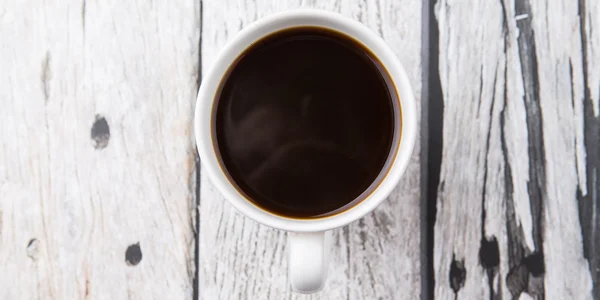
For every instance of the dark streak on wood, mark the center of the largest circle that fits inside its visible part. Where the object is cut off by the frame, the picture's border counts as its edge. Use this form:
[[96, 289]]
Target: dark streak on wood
[[83, 15], [371, 276], [196, 278], [362, 4], [426, 246], [382, 221], [362, 234], [521, 267], [537, 175], [337, 5], [488, 250], [46, 75], [485, 162], [219, 227], [272, 264], [87, 288], [432, 142], [518, 277], [572, 84], [32, 248], [514, 233], [379, 19], [480, 93], [589, 204], [511, 223]]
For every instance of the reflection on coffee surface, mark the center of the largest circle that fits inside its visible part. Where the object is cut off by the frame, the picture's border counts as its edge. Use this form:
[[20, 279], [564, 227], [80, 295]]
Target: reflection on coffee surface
[[305, 122]]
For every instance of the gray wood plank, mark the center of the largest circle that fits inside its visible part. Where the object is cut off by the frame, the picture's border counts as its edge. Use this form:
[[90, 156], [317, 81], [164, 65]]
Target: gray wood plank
[[517, 201], [97, 151], [589, 189], [374, 258]]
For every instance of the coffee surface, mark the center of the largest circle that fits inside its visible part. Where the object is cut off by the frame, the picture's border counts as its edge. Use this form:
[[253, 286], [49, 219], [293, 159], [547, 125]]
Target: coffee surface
[[305, 122]]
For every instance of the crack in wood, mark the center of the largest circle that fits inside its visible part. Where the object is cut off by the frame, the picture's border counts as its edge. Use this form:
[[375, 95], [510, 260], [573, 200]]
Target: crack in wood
[[536, 157], [537, 176], [197, 177], [196, 203], [514, 232], [489, 256], [434, 140]]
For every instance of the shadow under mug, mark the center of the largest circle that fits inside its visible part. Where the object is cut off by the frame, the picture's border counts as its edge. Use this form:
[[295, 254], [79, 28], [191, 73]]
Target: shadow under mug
[[308, 249]]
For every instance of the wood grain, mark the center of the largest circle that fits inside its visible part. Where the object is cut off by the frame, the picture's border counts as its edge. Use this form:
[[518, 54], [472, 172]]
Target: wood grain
[[97, 155], [517, 201], [374, 258]]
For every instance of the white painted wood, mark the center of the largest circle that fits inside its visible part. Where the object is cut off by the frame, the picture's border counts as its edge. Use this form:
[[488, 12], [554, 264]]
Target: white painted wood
[[374, 258], [69, 211], [514, 94]]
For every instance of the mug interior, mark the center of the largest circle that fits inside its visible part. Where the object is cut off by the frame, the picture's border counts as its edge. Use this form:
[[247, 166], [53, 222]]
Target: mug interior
[[400, 149]]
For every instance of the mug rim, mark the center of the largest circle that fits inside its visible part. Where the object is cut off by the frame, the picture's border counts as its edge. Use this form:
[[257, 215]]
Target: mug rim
[[400, 154]]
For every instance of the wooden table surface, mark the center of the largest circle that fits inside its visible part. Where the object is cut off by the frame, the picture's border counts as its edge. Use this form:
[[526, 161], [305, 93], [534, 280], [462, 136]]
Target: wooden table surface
[[102, 194]]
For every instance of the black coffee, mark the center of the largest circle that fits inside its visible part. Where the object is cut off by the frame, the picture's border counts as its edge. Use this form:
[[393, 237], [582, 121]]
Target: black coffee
[[305, 122]]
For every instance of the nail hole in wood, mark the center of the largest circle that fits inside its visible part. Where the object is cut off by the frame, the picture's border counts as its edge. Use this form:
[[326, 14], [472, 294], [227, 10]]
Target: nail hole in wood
[[535, 263], [133, 255], [457, 274], [100, 132], [489, 253]]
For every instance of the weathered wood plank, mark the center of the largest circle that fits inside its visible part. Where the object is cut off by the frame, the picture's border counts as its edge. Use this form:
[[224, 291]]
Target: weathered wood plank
[[589, 183], [97, 157], [374, 258], [516, 202]]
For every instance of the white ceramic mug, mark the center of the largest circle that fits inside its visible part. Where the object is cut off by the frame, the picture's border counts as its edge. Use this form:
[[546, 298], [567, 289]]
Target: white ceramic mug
[[306, 238]]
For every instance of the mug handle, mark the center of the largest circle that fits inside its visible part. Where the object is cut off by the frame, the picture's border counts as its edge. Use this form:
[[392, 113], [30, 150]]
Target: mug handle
[[307, 264]]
